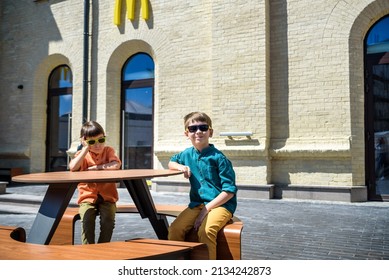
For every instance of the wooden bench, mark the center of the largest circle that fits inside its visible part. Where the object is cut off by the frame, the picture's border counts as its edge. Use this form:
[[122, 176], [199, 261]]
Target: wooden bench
[[228, 240], [14, 233], [6, 173], [3, 187], [13, 248]]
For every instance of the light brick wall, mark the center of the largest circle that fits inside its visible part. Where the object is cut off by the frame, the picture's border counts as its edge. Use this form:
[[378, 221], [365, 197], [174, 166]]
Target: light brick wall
[[317, 113], [291, 72]]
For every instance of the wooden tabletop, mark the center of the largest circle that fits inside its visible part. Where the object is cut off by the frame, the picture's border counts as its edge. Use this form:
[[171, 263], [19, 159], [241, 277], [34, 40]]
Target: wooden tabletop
[[118, 250], [93, 176]]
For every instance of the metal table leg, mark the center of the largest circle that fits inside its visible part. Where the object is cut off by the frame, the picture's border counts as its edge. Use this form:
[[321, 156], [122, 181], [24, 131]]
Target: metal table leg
[[141, 196], [53, 206]]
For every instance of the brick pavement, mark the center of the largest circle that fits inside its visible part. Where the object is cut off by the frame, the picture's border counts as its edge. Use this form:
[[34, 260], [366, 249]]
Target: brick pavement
[[273, 229]]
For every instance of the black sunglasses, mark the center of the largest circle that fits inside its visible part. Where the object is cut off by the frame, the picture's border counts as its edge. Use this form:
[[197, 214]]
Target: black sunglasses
[[91, 142], [194, 128]]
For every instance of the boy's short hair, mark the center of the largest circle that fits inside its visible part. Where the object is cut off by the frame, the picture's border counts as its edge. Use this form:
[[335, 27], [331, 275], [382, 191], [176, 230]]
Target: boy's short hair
[[197, 117], [91, 129]]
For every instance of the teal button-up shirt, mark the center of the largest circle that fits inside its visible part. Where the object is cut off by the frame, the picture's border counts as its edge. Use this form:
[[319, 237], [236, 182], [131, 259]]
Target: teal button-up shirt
[[212, 173]]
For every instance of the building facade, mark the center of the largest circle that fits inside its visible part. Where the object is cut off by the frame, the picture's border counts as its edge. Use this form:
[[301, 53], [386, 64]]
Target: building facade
[[286, 84]]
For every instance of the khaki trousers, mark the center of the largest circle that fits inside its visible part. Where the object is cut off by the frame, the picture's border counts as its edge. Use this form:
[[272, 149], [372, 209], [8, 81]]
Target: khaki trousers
[[88, 213], [207, 233]]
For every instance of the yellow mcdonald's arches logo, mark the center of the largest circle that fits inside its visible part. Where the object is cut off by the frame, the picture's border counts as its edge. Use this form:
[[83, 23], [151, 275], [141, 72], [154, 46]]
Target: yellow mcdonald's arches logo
[[130, 10]]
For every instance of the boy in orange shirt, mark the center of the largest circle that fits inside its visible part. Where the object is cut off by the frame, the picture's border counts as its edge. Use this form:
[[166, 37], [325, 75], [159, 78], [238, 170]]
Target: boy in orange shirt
[[96, 198]]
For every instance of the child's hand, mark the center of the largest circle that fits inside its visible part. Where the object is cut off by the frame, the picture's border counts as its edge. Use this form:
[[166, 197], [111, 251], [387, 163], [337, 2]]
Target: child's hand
[[200, 218], [84, 144], [113, 165], [94, 167], [186, 171]]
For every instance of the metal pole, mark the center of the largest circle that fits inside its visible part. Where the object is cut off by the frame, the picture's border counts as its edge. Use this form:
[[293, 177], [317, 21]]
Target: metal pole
[[124, 160], [86, 61], [69, 136]]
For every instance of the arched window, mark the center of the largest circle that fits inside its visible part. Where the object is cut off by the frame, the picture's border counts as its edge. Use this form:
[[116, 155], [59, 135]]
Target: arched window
[[59, 114], [378, 37], [137, 112], [377, 109]]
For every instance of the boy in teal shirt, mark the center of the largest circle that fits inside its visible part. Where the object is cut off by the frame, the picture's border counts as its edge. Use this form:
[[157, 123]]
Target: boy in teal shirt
[[212, 179]]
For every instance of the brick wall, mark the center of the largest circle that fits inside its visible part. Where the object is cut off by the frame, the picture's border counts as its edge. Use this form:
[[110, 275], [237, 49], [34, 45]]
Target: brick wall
[[291, 72]]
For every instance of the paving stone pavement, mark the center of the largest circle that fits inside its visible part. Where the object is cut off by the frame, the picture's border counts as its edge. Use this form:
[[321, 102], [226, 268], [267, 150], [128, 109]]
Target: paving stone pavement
[[273, 229]]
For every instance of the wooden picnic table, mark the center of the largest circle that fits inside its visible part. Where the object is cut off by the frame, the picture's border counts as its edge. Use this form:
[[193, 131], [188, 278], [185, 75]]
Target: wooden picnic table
[[62, 186], [13, 247]]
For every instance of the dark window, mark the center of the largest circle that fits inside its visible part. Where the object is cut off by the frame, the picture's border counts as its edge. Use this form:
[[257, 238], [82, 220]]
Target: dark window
[[59, 112], [137, 112], [377, 110]]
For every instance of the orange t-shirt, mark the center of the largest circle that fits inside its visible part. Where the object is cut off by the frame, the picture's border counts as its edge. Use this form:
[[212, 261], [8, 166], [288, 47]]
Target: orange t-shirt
[[87, 192]]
